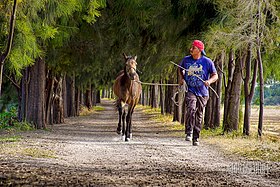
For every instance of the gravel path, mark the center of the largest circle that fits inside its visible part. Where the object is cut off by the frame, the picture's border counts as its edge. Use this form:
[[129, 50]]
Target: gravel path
[[86, 151]]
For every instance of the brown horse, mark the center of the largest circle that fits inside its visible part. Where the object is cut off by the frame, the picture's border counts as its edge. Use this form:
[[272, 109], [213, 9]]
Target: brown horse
[[128, 92]]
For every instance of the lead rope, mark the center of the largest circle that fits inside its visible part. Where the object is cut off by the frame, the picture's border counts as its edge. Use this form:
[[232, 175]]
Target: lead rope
[[155, 84], [181, 88]]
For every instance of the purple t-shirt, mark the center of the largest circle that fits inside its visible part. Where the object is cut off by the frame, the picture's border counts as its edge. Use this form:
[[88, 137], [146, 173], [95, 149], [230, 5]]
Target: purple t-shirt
[[203, 68]]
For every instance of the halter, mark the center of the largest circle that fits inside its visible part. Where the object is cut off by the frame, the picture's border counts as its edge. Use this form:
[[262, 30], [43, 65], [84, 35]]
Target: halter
[[128, 68]]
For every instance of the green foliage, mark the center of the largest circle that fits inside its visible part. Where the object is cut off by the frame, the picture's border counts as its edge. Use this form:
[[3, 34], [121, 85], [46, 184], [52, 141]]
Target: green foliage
[[8, 121], [92, 10], [271, 94]]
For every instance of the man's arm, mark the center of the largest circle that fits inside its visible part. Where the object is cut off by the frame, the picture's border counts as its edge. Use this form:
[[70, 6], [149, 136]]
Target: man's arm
[[213, 78]]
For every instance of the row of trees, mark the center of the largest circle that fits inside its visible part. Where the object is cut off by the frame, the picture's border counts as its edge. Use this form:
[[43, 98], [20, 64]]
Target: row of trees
[[64, 52]]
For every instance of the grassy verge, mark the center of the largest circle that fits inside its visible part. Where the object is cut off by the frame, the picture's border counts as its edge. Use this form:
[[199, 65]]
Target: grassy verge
[[251, 147], [16, 149], [9, 139], [85, 111], [38, 153], [234, 143]]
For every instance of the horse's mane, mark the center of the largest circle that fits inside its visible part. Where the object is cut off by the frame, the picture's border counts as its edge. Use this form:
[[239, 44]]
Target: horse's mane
[[120, 73]]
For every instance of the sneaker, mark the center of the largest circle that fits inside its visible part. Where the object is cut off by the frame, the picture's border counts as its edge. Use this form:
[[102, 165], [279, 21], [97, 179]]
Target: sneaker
[[195, 142], [188, 138]]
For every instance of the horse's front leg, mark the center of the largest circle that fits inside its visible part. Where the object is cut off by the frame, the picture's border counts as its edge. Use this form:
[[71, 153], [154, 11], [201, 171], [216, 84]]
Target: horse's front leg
[[128, 123], [120, 109], [123, 123]]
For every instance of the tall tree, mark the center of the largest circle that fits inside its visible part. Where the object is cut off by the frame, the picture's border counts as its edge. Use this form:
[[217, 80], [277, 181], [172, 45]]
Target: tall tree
[[4, 55]]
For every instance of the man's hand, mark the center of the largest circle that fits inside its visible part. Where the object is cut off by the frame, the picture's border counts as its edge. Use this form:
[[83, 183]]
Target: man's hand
[[212, 79], [207, 83], [181, 82]]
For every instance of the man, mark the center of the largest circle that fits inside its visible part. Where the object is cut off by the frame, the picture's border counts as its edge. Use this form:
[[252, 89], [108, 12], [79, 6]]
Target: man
[[200, 73]]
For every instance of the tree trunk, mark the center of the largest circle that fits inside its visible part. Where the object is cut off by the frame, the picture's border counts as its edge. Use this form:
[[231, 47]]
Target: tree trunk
[[147, 98], [143, 96], [178, 110], [212, 110], [24, 94], [70, 96], [231, 66], [89, 98], [98, 99], [4, 56], [34, 93], [232, 119], [154, 96], [94, 96], [259, 57], [58, 109], [249, 91], [260, 124], [161, 92], [65, 96], [78, 101], [168, 101], [208, 116], [49, 98], [217, 105]]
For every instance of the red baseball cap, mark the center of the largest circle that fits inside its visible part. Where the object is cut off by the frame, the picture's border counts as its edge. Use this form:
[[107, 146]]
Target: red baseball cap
[[199, 44]]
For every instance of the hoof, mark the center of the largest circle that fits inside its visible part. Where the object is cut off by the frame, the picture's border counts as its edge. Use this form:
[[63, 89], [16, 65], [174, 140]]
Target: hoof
[[127, 139], [118, 132]]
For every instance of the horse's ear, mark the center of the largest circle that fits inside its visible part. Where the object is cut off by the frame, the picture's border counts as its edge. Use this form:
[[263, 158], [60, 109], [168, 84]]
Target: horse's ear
[[124, 55], [135, 57]]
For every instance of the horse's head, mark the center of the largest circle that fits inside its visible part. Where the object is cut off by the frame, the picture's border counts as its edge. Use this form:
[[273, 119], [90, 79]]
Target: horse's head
[[130, 66]]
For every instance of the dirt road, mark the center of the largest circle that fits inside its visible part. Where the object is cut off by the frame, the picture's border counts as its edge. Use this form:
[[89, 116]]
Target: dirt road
[[86, 151]]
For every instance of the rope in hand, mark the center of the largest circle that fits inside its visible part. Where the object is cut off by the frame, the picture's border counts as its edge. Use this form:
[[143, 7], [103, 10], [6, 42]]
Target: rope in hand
[[181, 88], [156, 84]]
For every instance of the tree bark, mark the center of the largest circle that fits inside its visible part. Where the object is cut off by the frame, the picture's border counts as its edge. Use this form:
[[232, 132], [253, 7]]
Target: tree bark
[[23, 95], [249, 91], [65, 96], [70, 96], [58, 108], [98, 99], [180, 97], [50, 81], [260, 123], [89, 98], [161, 92], [33, 90], [4, 56], [154, 96], [217, 106], [168, 101], [259, 57], [212, 110], [228, 85], [231, 121]]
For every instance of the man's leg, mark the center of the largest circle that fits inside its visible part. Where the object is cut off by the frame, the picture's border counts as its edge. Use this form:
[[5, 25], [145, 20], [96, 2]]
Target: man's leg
[[190, 113], [200, 105]]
